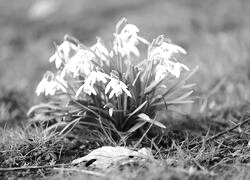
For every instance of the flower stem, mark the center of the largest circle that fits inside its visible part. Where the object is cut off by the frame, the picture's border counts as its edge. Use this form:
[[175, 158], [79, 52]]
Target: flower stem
[[120, 115]]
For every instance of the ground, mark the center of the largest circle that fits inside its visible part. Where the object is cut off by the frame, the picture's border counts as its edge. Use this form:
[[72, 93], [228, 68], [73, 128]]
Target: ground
[[215, 34]]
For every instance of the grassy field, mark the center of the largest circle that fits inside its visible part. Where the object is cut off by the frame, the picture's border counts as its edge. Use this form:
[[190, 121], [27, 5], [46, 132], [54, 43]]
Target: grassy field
[[215, 34]]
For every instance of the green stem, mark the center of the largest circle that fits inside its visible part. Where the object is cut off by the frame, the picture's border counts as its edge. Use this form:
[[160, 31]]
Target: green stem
[[119, 108], [149, 74], [147, 79]]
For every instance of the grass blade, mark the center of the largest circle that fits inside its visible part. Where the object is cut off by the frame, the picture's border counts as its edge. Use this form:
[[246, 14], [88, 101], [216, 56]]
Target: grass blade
[[174, 102]]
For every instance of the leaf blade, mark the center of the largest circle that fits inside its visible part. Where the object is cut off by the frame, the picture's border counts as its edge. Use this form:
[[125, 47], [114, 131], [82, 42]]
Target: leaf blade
[[146, 118]]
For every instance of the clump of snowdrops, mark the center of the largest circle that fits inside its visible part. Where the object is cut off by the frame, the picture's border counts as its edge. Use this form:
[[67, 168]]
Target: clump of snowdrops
[[101, 92]]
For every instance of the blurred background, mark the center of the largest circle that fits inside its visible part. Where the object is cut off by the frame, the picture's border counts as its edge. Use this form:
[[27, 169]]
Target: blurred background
[[215, 33]]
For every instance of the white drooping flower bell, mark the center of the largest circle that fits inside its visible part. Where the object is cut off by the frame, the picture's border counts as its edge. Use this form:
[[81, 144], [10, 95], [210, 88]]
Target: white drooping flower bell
[[100, 50], [127, 40], [117, 87], [62, 53], [90, 80], [166, 51], [50, 84], [81, 62]]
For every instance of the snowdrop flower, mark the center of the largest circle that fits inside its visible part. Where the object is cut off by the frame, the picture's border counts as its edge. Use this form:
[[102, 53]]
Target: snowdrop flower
[[87, 88], [174, 68], [126, 48], [62, 53], [129, 30], [125, 42], [100, 50], [81, 62], [91, 79], [95, 76], [165, 51], [161, 72], [117, 87], [49, 85]]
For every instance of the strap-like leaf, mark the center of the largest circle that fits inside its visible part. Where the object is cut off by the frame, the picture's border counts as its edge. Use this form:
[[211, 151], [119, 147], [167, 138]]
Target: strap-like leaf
[[42, 106], [136, 126], [185, 95], [72, 123], [152, 86], [87, 108], [146, 118], [137, 109], [136, 78]]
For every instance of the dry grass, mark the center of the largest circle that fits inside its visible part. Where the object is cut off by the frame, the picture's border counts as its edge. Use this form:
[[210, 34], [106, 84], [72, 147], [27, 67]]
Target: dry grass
[[211, 150]]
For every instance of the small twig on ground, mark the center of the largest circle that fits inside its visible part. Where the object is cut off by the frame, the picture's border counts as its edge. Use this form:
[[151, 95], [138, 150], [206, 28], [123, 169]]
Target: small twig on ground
[[56, 167], [220, 134], [32, 167], [213, 137], [82, 171]]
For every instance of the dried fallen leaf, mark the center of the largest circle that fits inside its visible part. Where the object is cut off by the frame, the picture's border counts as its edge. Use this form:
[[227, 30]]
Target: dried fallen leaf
[[105, 156]]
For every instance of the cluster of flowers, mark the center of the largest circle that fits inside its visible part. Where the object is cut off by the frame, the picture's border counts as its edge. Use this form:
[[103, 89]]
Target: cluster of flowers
[[85, 65], [103, 88]]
